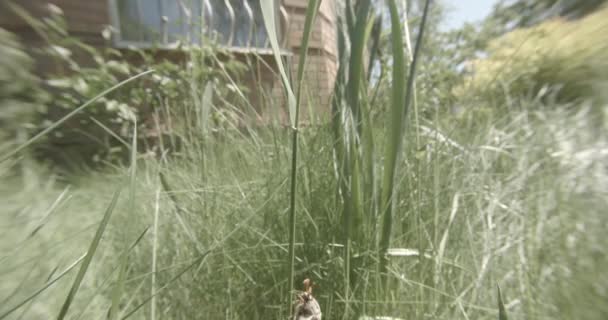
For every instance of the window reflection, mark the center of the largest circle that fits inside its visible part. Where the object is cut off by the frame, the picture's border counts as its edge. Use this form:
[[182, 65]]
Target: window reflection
[[141, 21]]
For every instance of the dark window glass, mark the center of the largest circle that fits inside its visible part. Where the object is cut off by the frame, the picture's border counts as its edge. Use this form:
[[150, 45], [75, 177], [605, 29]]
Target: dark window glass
[[139, 20], [259, 30], [177, 18], [236, 23]]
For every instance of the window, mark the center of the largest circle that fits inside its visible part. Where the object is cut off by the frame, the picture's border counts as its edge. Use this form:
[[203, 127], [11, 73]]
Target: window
[[233, 23]]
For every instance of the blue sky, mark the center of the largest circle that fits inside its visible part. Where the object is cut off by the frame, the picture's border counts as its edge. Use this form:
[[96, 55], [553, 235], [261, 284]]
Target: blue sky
[[461, 11]]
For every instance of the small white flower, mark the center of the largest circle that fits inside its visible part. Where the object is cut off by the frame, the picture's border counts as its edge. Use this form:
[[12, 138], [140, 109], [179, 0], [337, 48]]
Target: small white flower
[[61, 51], [53, 9], [107, 32], [112, 105], [118, 67], [125, 112], [59, 83], [81, 86]]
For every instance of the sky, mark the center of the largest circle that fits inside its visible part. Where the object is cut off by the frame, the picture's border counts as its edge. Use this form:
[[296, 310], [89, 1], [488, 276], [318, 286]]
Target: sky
[[461, 11]]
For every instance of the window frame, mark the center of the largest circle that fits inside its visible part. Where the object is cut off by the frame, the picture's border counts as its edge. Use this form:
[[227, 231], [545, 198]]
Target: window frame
[[281, 16]]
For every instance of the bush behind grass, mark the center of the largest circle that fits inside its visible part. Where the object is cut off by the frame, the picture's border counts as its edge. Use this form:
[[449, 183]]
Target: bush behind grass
[[20, 94], [78, 72], [559, 59]]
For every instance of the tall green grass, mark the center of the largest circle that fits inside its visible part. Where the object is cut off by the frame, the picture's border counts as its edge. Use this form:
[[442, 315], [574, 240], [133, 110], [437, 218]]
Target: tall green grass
[[87, 259], [400, 105], [510, 214], [294, 113], [368, 181]]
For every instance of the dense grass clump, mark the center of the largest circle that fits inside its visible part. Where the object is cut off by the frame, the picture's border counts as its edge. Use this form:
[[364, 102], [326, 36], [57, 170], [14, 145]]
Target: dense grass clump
[[516, 203]]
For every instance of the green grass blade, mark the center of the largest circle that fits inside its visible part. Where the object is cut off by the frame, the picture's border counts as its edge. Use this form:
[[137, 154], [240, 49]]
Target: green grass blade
[[352, 224], [366, 140], [393, 137], [399, 106], [409, 92], [88, 257], [294, 109], [410, 56], [206, 106], [179, 210], [355, 70], [350, 169], [367, 152], [154, 255], [21, 284], [102, 285], [70, 115], [169, 191], [350, 16], [39, 291], [337, 103], [375, 37], [118, 289], [311, 13], [502, 312], [175, 278], [268, 12], [110, 132]]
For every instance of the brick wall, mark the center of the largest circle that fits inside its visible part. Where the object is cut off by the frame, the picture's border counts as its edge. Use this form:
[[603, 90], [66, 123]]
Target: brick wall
[[322, 61], [85, 18]]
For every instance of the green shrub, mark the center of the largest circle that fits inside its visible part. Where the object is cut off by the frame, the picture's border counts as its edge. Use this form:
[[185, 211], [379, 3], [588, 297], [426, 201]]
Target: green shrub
[[161, 104], [558, 58], [20, 95]]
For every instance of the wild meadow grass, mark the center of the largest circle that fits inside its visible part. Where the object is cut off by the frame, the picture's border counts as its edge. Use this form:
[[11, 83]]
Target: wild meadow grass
[[408, 217], [519, 200]]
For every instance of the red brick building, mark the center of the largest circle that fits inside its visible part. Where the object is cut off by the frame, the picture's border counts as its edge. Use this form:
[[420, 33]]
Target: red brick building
[[235, 24]]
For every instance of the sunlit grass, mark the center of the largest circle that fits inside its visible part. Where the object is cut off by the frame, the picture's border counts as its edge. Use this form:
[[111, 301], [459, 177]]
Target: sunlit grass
[[510, 214]]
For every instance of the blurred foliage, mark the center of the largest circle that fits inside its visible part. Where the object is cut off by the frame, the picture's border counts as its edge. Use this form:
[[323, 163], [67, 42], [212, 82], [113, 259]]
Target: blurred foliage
[[508, 15], [565, 60], [20, 95], [441, 53], [160, 104]]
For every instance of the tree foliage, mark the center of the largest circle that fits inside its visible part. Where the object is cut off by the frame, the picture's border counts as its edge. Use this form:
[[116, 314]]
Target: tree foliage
[[508, 14], [565, 59]]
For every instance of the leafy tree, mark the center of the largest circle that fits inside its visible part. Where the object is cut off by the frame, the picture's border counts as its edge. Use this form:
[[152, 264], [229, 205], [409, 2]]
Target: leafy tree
[[508, 15]]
